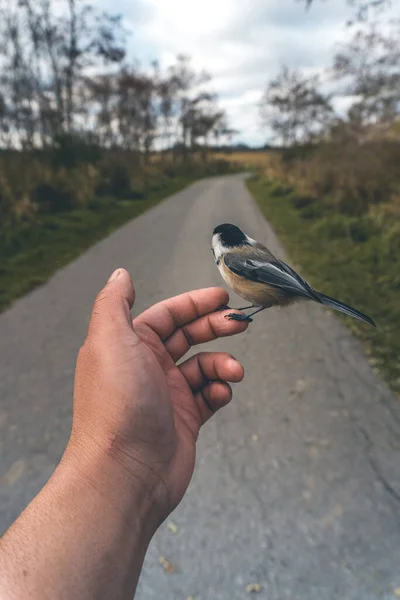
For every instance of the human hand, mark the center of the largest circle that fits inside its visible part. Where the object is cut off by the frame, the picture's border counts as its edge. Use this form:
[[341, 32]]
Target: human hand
[[133, 404]]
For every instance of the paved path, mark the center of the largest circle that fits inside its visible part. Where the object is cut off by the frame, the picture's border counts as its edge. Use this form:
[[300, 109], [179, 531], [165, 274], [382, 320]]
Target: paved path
[[297, 486]]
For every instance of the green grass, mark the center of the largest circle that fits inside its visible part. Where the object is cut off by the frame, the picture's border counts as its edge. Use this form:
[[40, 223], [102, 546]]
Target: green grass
[[32, 251], [345, 257]]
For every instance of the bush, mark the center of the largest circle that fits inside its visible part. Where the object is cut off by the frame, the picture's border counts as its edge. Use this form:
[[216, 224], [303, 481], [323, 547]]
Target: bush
[[362, 229], [73, 173], [71, 150], [313, 211], [332, 227], [300, 152], [302, 201], [279, 189], [50, 197], [65, 190], [351, 176], [5, 198], [115, 179]]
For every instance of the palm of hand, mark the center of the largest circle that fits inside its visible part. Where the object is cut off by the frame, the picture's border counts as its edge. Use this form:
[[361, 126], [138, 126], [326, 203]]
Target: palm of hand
[[133, 397], [188, 394]]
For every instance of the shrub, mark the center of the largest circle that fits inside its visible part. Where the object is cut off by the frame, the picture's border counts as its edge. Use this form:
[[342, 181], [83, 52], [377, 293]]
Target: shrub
[[50, 197], [300, 201], [5, 198], [115, 179], [351, 176], [65, 189], [71, 150], [279, 189], [332, 227], [362, 229]]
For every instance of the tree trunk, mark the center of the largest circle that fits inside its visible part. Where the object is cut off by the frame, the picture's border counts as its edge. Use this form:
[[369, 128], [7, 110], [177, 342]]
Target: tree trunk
[[72, 56]]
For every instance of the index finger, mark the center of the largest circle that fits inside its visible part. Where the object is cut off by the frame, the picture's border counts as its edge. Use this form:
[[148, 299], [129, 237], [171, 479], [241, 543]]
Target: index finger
[[167, 316]]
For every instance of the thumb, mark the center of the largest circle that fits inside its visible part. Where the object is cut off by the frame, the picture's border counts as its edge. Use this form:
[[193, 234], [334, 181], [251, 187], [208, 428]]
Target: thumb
[[111, 309]]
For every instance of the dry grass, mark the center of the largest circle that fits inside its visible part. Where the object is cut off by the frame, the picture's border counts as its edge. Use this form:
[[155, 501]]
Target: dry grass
[[251, 160]]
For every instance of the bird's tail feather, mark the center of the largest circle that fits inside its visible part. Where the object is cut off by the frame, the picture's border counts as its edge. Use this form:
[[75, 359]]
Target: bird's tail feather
[[344, 308]]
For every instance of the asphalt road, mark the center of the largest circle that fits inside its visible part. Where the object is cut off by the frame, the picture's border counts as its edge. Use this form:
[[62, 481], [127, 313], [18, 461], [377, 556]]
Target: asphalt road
[[297, 486]]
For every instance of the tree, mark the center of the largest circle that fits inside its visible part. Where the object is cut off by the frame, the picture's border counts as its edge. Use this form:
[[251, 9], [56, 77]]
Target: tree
[[186, 83], [369, 66], [363, 8], [101, 102], [293, 107], [136, 110], [64, 76], [166, 88], [46, 51]]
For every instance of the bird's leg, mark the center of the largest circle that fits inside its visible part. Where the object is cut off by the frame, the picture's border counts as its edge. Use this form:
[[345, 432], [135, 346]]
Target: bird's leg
[[244, 307], [257, 311], [235, 317]]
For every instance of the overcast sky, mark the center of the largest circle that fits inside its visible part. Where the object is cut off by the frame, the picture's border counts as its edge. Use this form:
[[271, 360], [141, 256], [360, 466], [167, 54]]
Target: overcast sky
[[242, 43]]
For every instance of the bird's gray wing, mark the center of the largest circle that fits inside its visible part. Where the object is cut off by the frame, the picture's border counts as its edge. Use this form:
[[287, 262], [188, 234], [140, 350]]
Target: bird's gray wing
[[275, 273]]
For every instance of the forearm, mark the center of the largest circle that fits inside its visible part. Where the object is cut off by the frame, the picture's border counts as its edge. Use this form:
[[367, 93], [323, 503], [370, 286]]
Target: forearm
[[84, 536]]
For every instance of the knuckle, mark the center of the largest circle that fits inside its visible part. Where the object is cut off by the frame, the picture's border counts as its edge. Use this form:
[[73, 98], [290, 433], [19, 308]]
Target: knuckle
[[188, 336]]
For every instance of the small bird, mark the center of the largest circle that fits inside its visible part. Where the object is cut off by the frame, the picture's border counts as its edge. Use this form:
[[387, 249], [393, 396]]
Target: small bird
[[256, 275]]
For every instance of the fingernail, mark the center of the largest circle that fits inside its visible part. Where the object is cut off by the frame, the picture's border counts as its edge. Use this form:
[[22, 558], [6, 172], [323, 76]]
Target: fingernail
[[114, 275], [233, 362]]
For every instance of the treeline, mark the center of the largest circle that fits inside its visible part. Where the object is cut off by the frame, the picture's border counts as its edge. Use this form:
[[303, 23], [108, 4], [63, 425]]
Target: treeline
[[80, 119], [347, 158], [65, 71], [332, 192]]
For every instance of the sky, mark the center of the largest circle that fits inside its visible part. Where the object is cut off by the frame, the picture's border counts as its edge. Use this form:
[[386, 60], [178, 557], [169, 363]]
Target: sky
[[241, 43]]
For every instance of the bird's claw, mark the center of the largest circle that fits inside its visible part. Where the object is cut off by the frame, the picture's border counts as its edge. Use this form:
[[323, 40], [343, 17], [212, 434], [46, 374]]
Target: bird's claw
[[223, 307], [237, 317]]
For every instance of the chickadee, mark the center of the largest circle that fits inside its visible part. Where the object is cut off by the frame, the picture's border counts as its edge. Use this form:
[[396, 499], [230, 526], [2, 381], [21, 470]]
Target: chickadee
[[254, 273]]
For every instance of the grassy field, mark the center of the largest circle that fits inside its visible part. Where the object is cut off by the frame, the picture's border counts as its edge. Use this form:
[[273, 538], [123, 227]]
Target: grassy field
[[346, 258]]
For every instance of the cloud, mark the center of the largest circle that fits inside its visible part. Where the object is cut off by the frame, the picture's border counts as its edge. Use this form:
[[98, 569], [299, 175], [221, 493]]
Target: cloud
[[242, 44]]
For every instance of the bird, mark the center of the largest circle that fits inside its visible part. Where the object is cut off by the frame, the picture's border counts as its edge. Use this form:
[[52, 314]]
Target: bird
[[256, 275]]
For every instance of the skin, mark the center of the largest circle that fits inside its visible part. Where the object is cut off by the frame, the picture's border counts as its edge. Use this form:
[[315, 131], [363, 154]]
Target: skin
[[131, 454]]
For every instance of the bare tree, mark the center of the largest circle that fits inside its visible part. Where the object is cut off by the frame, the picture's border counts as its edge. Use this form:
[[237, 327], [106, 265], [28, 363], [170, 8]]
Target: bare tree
[[101, 105], [63, 74], [168, 87], [19, 80], [137, 115], [363, 8], [293, 108], [369, 66], [186, 83], [45, 56]]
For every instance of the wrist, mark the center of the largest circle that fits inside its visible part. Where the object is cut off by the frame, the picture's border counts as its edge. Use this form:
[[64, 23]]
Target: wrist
[[124, 489]]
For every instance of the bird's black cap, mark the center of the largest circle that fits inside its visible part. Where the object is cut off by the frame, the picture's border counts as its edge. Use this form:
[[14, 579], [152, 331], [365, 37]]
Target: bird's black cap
[[231, 235]]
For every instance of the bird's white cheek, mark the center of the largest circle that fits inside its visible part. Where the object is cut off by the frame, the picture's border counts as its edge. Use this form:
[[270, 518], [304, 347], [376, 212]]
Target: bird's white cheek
[[218, 248]]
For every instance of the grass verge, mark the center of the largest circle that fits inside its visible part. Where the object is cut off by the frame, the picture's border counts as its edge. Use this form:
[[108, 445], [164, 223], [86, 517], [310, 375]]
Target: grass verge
[[32, 251], [346, 258]]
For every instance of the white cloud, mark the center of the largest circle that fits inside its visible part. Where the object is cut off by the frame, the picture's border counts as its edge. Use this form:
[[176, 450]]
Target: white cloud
[[242, 44]]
